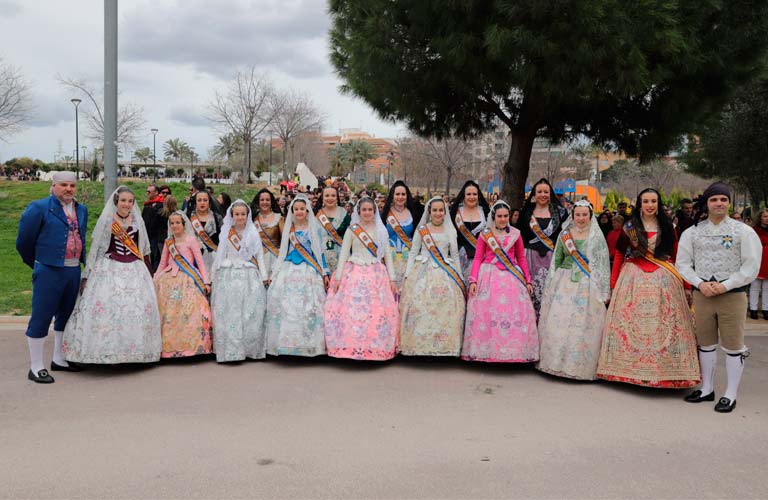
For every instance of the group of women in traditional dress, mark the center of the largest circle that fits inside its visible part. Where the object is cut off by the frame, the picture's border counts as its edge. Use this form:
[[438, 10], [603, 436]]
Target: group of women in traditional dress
[[441, 280]]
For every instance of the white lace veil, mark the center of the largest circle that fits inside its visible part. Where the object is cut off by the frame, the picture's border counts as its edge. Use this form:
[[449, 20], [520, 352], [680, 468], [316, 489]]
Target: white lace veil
[[492, 212], [102, 233], [449, 229], [315, 234], [382, 236], [596, 253], [188, 229], [250, 241]]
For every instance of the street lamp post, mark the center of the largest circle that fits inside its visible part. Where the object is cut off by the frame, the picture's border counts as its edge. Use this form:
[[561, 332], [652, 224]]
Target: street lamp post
[[84, 148], [154, 152], [76, 102]]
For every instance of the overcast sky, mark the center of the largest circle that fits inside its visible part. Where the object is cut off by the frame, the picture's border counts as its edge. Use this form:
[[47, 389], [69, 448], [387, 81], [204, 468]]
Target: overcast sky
[[173, 55]]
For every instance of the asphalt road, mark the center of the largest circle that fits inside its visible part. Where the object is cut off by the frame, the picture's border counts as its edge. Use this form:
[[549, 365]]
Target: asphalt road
[[411, 428]]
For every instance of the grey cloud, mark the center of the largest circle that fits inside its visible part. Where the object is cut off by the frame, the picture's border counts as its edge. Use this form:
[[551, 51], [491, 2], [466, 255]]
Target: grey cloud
[[189, 116], [48, 111], [9, 8], [217, 37]]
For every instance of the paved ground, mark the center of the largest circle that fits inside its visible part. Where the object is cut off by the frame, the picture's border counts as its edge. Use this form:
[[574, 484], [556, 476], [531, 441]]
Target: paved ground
[[295, 428]]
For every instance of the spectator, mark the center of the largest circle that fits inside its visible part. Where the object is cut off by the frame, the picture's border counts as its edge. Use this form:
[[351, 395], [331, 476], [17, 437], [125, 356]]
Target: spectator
[[198, 184], [224, 202], [605, 222], [152, 220], [612, 238], [761, 283]]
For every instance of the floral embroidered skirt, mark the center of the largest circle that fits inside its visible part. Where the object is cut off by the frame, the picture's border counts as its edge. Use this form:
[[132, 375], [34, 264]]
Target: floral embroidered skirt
[[361, 319], [294, 319], [571, 327], [538, 266], [431, 313], [399, 263], [116, 319], [238, 302], [649, 338], [185, 316], [501, 322]]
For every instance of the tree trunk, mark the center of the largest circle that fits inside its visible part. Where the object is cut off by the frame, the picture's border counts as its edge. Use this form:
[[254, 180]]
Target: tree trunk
[[448, 181], [515, 169], [245, 177]]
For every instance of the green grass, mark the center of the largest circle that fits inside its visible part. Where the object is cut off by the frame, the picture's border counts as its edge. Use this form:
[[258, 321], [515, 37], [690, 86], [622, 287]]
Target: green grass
[[15, 276]]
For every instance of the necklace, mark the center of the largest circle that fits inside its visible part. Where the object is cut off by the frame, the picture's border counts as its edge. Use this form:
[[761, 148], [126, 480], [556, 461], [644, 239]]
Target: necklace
[[436, 224], [399, 210]]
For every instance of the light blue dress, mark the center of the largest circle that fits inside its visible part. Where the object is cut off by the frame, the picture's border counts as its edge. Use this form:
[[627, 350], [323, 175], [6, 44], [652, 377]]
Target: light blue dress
[[295, 302]]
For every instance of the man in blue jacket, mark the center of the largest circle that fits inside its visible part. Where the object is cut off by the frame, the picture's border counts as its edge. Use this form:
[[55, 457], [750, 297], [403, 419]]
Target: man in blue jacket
[[51, 241]]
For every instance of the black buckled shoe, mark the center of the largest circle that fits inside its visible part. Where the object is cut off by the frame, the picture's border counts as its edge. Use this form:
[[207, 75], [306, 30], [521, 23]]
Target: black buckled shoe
[[73, 367], [697, 397], [725, 405], [752, 314], [42, 377], [765, 314]]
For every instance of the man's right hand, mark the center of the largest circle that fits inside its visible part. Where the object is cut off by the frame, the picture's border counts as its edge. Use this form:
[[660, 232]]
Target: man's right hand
[[82, 285]]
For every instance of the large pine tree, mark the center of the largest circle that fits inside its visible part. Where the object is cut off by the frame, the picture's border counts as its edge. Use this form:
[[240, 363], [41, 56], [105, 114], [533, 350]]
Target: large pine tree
[[633, 75]]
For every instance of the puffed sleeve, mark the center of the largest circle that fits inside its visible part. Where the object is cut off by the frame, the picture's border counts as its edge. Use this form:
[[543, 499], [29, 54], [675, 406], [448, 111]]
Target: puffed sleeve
[[390, 266], [478, 260], [521, 260], [165, 261], [198, 257], [346, 248], [414, 252]]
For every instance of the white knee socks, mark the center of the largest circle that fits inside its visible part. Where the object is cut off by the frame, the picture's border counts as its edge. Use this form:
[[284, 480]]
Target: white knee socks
[[36, 348], [58, 355], [708, 361], [734, 367]]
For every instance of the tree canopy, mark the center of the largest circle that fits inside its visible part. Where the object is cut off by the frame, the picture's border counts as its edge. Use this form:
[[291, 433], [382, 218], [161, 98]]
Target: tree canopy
[[632, 76], [734, 145]]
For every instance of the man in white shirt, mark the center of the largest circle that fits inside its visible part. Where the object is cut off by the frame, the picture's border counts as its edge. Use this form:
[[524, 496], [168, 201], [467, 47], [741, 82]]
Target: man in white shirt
[[720, 257]]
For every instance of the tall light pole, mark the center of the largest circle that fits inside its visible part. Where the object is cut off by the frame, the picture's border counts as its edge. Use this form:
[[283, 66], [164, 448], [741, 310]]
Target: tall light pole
[[84, 148], [76, 102], [154, 151], [110, 97]]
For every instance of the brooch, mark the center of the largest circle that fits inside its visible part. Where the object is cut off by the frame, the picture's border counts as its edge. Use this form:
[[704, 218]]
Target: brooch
[[727, 241]]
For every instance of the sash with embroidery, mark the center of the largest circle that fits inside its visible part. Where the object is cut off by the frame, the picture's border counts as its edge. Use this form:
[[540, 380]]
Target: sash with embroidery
[[578, 258], [365, 239], [466, 233], [266, 240], [634, 240], [200, 230], [437, 256], [305, 254], [235, 240], [126, 240], [185, 266], [540, 234], [326, 222], [502, 256], [398, 229]]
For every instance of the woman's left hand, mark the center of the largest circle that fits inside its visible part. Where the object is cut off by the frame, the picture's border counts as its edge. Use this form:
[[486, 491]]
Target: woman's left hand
[[529, 287], [393, 287], [326, 281]]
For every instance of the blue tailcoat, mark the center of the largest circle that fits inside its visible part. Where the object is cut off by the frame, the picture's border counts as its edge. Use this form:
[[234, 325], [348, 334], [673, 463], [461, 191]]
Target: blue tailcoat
[[43, 232]]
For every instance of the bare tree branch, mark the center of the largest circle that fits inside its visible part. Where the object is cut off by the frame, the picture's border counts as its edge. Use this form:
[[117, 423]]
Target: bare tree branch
[[15, 107], [130, 117], [243, 109], [293, 114]]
